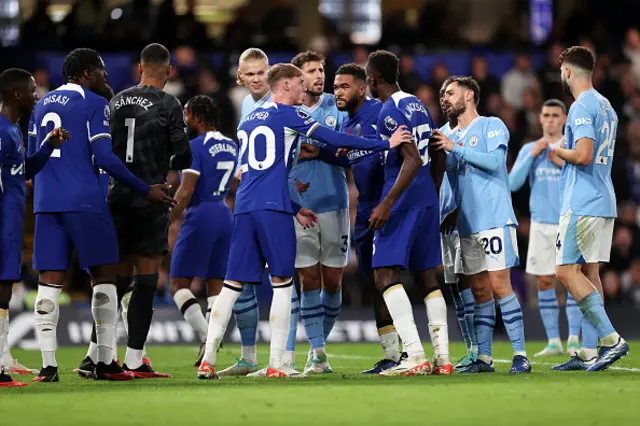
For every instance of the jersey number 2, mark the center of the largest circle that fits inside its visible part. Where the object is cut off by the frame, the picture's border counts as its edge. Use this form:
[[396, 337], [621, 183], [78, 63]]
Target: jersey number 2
[[609, 131], [52, 117], [130, 123]]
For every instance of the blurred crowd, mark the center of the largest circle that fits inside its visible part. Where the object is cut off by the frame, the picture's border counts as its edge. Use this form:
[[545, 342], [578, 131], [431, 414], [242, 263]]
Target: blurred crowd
[[516, 97]]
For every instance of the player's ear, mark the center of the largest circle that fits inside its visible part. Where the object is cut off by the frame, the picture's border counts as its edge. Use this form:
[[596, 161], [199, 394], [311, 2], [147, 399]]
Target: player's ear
[[362, 89], [168, 70], [140, 69]]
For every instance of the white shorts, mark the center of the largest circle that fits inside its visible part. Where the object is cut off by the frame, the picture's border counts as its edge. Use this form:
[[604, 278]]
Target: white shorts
[[327, 243], [542, 249], [583, 239], [451, 258], [491, 250]]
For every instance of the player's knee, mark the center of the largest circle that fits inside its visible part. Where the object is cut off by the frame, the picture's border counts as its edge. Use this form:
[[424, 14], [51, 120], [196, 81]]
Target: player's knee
[[545, 282], [176, 284], [564, 273], [433, 291], [481, 288]]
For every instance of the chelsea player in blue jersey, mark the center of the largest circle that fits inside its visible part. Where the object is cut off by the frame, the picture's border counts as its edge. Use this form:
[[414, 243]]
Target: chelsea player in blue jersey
[[477, 172], [263, 229], [538, 162], [18, 94], [71, 210], [322, 252], [406, 219], [202, 246], [587, 208]]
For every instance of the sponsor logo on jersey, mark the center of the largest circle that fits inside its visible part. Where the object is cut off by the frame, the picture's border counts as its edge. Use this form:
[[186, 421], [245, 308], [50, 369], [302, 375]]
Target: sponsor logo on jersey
[[473, 141], [330, 121], [302, 114], [390, 123], [358, 130], [582, 121], [494, 133]]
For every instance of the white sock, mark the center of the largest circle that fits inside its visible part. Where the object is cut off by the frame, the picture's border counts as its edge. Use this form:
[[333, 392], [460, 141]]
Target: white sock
[[47, 312], [587, 354], [390, 342], [124, 304], [133, 358], [289, 358], [280, 322], [220, 315], [114, 354], [191, 311], [402, 314], [210, 301], [7, 358], [249, 354], [104, 307], [4, 318], [92, 352], [438, 329]]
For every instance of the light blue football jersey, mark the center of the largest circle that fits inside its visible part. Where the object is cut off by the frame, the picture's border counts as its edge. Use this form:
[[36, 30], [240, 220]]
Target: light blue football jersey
[[328, 190], [249, 105], [447, 198], [544, 179], [484, 197], [588, 190]]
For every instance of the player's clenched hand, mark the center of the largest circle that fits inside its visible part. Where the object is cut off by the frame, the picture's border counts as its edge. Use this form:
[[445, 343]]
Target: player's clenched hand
[[57, 136], [538, 147], [307, 218], [402, 135], [380, 215], [441, 141], [308, 152], [449, 222], [302, 187], [342, 151], [157, 195]]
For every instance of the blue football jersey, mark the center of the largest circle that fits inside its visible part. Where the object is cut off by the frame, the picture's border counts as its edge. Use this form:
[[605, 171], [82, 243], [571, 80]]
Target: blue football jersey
[[447, 198], [366, 166], [483, 197], [405, 109], [328, 190], [13, 188], [588, 190], [214, 160], [70, 181], [249, 105], [544, 179]]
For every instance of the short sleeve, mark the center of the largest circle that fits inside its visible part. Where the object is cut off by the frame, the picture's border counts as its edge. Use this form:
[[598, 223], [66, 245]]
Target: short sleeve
[[389, 121], [196, 162], [299, 121], [497, 135], [99, 118], [581, 122]]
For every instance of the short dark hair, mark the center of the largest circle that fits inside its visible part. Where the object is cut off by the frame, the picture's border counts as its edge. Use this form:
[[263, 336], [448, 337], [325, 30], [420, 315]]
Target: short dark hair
[[354, 70], [386, 65], [155, 54], [79, 61], [204, 108], [11, 80], [309, 56], [280, 72], [555, 103], [465, 81], [580, 57]]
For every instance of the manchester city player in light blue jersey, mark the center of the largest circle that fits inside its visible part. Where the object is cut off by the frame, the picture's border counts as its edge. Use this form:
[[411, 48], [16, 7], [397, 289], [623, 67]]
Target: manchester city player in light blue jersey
[[538, 162], [322, 252], [587, 208], [477, 172], [253, 66], [263, 229], [459, 284], [19, 95], [406, 220]]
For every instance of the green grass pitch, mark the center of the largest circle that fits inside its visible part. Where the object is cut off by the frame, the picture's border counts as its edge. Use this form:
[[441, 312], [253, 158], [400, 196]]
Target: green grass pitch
[[342, 398]]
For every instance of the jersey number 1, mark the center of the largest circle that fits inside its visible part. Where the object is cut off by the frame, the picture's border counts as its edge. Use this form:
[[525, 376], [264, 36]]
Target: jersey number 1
[[130, 123]]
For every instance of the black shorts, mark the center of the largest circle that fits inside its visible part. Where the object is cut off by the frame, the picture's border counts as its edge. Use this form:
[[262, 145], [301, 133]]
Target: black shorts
[[141, 231]]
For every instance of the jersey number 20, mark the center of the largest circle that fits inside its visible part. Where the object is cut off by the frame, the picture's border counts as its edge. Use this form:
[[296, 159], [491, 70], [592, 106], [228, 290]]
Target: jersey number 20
[[249, 142]]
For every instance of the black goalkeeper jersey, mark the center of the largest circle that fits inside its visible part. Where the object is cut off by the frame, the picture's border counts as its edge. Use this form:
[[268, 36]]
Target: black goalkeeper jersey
[[149, 136]]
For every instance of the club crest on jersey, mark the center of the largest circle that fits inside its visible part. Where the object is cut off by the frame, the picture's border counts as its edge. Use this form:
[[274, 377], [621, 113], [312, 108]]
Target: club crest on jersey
[[390, 123], [473, 141], [107, 113], [358, 130], [330, 121]]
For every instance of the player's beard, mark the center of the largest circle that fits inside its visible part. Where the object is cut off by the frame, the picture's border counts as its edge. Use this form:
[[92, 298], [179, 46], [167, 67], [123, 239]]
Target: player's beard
[[565, 87], [312, 93], [350, 104], [457, 110]]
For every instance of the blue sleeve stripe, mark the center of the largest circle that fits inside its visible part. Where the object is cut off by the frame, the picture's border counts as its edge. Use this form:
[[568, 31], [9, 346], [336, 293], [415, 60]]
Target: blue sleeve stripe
[[99, 136]]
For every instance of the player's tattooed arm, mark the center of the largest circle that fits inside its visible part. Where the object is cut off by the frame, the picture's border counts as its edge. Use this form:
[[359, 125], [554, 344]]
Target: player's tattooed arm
[[411, 163], [183, 195]]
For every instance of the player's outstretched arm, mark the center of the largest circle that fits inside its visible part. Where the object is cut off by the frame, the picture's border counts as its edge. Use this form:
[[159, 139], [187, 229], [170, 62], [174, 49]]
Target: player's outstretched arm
[[581, 156], [343, 140], [35, 162], [411, 163], [487, 161]]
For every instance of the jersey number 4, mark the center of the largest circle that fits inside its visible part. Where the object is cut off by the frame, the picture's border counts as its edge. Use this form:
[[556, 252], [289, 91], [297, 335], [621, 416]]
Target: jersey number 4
[[421, 134]]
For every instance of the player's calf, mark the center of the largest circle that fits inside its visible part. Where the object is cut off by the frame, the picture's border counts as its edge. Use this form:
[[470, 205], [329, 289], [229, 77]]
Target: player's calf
[[47, 313]]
